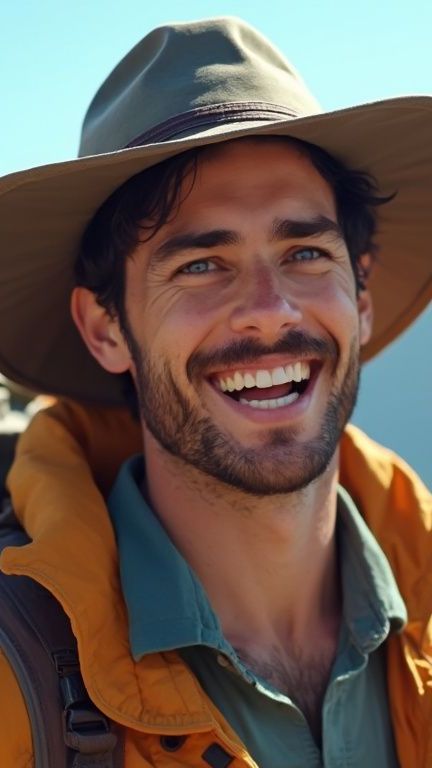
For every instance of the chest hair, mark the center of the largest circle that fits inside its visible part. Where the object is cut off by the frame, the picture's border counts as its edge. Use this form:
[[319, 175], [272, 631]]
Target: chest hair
[[302, 678]]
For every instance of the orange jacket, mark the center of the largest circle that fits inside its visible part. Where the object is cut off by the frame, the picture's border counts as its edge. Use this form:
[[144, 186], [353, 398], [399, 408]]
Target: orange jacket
[[54, 492]]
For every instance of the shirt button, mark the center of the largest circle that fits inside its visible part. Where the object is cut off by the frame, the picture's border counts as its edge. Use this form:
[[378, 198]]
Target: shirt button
[[222, 660]]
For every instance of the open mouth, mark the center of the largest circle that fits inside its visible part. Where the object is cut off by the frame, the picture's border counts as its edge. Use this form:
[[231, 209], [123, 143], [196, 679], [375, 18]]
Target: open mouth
[[267, 388]]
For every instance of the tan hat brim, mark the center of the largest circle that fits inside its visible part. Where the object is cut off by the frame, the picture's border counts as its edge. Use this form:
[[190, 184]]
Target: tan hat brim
[[44, 211]]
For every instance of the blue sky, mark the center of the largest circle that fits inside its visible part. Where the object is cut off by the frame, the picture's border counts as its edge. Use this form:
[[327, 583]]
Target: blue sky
[[54, 55]]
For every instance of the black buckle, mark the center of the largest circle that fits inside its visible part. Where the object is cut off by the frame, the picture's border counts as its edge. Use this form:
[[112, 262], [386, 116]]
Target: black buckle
[[66, 662], [87, 731]]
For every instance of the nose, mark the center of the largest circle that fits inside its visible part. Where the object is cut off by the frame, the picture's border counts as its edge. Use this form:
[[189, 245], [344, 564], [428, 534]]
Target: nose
[[264, 308]]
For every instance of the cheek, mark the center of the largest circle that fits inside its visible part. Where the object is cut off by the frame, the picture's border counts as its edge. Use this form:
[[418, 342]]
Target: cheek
[[171, 322], [337, 303]]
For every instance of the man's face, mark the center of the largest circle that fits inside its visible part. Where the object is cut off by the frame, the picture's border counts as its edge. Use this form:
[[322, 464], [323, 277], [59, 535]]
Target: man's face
[[243, 321]]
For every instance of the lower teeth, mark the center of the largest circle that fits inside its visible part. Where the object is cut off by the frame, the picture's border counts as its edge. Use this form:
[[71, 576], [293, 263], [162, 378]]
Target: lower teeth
[[277, 402]]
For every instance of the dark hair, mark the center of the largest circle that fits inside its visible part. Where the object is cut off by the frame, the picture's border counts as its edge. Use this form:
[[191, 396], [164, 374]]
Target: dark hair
[[145, 202]]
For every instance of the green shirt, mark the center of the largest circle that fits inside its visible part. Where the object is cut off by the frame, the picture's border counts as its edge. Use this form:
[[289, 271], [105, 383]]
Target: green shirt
[[168, 609]]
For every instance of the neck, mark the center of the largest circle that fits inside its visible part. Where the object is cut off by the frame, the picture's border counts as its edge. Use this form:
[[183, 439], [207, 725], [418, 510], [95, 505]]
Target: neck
[[268, 564]]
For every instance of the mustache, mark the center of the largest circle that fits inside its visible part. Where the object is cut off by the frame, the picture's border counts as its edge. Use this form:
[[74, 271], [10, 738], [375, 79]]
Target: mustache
[[294, 343]]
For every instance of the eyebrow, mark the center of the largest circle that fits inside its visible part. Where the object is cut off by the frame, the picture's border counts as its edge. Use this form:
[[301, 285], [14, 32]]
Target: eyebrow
[[282, 229], [195, 241], [285, 229]]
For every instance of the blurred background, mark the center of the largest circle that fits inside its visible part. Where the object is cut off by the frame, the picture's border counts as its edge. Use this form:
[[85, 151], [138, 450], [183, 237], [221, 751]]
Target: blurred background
[[55, 54]]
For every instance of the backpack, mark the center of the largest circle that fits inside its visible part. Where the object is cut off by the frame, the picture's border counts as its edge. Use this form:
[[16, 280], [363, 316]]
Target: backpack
[[68, 731]]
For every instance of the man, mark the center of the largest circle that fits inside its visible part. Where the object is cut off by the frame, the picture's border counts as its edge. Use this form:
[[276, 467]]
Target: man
[[227, 269]]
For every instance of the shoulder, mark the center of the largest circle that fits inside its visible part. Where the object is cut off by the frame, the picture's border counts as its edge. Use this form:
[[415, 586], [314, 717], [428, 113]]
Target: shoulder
[[381, 480], [397, 507]]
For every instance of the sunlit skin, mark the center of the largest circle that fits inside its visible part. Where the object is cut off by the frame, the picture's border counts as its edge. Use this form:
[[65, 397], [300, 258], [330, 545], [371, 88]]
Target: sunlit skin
[[268, 562]]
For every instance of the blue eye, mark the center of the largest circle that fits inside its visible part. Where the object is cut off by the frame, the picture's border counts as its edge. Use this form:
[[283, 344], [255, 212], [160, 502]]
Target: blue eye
[[308, 254], [198, 267]]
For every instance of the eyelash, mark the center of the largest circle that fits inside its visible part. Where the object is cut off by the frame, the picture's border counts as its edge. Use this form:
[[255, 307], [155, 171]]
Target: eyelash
[[320, 253], [208, 262]]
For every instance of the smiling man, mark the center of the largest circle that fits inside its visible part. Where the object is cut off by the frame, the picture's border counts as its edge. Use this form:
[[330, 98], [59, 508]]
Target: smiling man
[[225, 247], [243, 320]]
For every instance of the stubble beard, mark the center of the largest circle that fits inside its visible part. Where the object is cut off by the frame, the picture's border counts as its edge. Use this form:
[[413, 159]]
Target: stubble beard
[[281, 464]]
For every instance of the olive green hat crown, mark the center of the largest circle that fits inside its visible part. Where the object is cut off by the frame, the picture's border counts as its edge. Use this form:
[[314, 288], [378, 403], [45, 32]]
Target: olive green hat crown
[[187, 77]]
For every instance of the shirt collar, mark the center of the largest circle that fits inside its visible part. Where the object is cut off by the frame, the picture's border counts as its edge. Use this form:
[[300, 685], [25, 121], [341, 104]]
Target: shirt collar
[[167, 606], [169, 609], [372, 603]]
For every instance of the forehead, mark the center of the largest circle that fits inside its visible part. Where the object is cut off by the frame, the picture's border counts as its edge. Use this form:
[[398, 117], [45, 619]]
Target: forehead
[[256, 173]]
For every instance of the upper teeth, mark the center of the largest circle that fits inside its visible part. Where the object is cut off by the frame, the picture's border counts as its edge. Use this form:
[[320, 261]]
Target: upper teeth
[[264, 378]]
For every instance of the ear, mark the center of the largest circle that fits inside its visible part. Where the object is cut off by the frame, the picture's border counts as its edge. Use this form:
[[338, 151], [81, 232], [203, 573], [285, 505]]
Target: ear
[[364, 301], [100, 332]]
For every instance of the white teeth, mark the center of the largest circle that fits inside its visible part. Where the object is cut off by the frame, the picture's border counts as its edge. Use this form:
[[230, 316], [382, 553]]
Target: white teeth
[[297, 372], [249, 380], [230, 384], [238, 381], [279, 376], [277, 402], [263, 379]]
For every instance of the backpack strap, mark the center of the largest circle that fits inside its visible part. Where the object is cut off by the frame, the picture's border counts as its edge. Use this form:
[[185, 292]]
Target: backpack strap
[[8, 441], [68, 731]]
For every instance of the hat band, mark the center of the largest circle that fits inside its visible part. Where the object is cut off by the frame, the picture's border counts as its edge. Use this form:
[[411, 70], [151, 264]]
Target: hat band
[[231, 112]]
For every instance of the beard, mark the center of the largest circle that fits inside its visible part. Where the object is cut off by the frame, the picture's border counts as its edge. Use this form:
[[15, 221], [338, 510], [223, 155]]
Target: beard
[[282, 463]]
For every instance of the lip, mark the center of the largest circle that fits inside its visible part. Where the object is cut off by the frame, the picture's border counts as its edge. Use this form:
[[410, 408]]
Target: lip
[[286, 413]]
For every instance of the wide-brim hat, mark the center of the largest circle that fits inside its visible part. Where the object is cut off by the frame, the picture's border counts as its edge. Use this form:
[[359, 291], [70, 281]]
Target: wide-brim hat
[[188, 85]]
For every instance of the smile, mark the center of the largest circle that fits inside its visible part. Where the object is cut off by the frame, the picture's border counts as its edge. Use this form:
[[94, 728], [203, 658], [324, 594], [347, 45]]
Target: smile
[[266, 389]]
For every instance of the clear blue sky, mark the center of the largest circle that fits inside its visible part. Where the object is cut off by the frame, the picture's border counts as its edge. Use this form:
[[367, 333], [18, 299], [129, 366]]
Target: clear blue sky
[[55, 54]]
